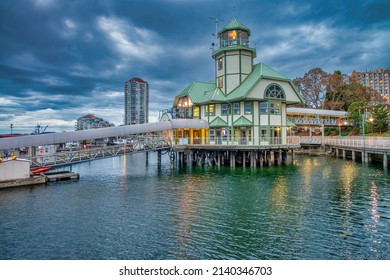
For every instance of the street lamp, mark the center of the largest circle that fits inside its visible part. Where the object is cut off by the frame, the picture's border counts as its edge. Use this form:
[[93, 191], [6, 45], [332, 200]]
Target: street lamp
[[340, 123], [11, 126]]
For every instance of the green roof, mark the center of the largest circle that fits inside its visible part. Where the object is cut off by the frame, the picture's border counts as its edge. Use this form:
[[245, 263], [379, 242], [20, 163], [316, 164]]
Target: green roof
[[234, 24], [218, 122], [242, 121], [206, 92]]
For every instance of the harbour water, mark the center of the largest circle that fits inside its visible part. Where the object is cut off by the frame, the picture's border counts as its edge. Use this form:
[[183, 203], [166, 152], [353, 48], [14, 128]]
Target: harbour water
[[123, 208]]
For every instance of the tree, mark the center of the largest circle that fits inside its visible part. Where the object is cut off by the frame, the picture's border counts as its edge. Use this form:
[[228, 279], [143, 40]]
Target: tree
[[313, 87], [335, 90], [354, 116], [344, 90], [380, 115]]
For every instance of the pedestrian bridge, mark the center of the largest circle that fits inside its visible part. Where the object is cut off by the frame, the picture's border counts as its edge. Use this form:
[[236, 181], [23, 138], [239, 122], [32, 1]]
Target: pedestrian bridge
[[100, 133]]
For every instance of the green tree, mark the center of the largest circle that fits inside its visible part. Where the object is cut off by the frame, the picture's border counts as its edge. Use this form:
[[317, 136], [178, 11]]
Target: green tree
[[354, 116], [380, 115]]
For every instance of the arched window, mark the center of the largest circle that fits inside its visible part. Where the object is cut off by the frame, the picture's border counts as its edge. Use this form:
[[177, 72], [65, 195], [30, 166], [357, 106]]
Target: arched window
[[274, 91]]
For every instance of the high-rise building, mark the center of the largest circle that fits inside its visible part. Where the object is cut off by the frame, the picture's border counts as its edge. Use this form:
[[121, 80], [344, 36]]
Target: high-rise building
[[90, 121], [377, 81], [136, 101]]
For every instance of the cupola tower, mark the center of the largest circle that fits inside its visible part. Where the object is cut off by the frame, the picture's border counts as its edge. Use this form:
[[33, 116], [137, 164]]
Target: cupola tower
[[234, 56]]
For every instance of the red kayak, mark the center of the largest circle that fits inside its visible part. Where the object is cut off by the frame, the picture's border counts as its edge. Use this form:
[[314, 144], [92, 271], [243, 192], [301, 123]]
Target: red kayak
[[39, 170]]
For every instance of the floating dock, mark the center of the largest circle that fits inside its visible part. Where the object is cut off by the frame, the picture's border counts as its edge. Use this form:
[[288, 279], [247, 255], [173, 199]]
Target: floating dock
[[61, 176], [40, 179], [33, 180]]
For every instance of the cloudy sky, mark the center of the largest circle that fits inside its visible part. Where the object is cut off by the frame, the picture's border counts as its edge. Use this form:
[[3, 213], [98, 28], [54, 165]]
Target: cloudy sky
[[62, 59]]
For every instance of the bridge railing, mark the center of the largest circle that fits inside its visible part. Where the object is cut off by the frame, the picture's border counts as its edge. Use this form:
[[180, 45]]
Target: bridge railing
[[358, 142], [141, 144]]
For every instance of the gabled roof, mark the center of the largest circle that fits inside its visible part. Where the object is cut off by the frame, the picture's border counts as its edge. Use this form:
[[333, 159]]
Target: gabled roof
[[207, 92], [218, 122], [242, 121], [234, 24], [196, 90]]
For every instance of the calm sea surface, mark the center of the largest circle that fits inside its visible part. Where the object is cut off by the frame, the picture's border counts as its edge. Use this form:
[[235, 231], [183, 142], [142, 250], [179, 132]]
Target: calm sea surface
[[121, 208]]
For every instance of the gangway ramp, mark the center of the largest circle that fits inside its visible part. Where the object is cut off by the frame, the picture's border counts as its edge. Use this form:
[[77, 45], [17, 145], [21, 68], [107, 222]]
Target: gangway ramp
[[99, 133]]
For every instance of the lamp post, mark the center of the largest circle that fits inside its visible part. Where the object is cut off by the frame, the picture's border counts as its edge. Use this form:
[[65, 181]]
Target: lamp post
[[11, 126], [340, 123]]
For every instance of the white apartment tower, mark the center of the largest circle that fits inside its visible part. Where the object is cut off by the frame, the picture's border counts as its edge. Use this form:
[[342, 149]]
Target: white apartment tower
[[378, 81], [136, 101]]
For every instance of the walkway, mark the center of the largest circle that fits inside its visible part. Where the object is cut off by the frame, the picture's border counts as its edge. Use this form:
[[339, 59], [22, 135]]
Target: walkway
[[99, 133]]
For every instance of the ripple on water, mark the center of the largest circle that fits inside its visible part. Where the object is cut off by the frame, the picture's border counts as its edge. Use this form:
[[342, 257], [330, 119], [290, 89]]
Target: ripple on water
[[317, 208]]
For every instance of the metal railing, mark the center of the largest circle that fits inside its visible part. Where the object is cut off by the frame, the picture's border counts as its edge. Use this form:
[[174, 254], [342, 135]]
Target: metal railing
[[247, 141], [142, 144], [382, 143], [145, 144]]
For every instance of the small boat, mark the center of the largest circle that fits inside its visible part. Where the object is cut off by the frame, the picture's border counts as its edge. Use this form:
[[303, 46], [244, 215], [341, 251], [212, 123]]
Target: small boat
[[39, 170]]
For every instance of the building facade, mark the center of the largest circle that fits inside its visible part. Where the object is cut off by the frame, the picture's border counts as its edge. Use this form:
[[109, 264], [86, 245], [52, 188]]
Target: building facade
[[245, 104], [91, 121], [136, 101], [377, 81]]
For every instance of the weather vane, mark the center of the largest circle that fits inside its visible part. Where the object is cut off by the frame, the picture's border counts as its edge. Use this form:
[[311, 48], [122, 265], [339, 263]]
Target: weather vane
[[216, 21]]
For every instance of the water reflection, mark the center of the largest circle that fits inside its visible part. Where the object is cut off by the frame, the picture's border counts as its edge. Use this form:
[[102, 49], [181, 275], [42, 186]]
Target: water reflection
[[318, 208]]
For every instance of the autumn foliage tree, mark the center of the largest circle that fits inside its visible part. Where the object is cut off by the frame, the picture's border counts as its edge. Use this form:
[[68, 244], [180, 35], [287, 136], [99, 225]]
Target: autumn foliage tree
[[313, 87]]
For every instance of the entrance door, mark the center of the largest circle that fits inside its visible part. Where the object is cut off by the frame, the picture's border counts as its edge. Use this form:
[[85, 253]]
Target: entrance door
[[218, 136], [243, 137]]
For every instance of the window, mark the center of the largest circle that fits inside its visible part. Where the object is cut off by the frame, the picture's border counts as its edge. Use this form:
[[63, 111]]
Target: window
[[225, 109], [263, 133], [210, 110], [220, 64], [212, 134], [274, 108], [263, 107], [220, 82], [236, 108], [248, 107], [274, 91], [196, 112]]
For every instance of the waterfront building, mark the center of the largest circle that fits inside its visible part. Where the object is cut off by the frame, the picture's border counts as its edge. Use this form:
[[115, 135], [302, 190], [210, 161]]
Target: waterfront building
[[377, 81], [90, 121], [136, 101], [246, 103]]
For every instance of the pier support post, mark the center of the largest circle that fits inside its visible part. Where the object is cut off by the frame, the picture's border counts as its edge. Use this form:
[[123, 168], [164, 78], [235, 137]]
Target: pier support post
[[172, 159], [284, 157], [147, 157], [366, 159], [385, 160], [159, 157], [337, 152], [344, 154], [353, 156]]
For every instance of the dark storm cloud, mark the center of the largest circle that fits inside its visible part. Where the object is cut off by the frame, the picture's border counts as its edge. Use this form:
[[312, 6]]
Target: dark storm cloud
[[62, 59]]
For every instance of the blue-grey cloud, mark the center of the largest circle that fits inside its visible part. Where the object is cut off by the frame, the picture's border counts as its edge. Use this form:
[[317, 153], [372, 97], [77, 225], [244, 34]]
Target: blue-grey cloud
[[62, 59]]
